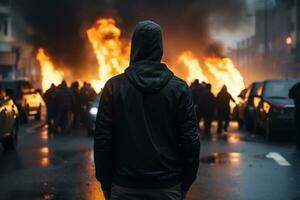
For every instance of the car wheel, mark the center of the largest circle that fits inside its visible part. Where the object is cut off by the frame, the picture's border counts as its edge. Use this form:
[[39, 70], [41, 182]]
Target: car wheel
[[10, 143], [38, 115]]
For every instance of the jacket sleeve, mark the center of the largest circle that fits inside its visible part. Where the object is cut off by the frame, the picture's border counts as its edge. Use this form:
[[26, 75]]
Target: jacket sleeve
[[292, 92], [103, 140], [188, 138]]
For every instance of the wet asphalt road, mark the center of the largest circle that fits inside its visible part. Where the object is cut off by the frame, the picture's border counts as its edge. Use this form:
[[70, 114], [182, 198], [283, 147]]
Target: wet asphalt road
[[235, 167]]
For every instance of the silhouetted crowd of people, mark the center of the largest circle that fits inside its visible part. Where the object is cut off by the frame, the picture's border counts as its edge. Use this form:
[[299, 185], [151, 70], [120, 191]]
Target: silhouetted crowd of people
[[209, 107], [67, 106]]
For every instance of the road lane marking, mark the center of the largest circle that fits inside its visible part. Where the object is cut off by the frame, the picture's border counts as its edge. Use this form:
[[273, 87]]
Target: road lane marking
[[278, 158]]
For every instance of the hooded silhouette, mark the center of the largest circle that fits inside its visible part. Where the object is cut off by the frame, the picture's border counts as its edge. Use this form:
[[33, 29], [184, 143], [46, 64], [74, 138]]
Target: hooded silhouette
[[223, 108], [146, 132]]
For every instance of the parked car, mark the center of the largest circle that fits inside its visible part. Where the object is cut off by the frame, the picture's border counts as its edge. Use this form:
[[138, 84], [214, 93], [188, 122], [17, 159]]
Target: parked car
[[28, 100], [9, 121], [275, 110], [246, 107], [92, 115]]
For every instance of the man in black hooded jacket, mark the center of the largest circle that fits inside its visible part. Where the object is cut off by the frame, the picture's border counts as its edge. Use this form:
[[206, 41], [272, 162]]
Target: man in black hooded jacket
[[146, 141], [294, 93]]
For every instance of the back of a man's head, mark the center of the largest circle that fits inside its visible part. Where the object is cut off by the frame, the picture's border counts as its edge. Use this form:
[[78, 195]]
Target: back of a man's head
[[147, 42]]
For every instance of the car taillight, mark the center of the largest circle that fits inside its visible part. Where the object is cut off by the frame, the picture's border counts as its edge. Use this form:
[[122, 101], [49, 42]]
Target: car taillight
[[278, 108]]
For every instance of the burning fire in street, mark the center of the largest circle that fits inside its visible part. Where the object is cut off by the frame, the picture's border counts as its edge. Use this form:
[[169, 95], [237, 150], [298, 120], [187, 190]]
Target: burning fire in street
[[112, 54], [224, 72], [193, 66], [49, 73], [215, 70]]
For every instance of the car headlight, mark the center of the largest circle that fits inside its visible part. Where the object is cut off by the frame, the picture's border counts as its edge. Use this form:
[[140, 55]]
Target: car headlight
[[93, 110]]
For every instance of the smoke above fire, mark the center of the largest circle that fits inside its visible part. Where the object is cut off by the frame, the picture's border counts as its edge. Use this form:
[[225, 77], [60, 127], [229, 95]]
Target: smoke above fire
[[60, 26]]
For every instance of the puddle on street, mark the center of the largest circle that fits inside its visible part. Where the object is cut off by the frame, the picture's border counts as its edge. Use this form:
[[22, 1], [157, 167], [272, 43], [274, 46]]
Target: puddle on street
[[232, 158], [232, 138]]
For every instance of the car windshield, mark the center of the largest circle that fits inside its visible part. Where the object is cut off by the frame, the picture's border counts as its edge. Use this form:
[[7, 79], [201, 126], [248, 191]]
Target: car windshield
[[278, 89]]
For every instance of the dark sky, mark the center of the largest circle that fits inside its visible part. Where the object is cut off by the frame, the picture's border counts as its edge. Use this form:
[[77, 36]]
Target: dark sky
[[59, 25]]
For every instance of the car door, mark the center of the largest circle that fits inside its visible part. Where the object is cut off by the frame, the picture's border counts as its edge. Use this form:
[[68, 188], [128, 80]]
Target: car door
[[31, 96]]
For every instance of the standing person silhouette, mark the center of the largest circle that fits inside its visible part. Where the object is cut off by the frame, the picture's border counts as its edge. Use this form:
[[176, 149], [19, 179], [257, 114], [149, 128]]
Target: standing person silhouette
[[223, 109], [146, 140]]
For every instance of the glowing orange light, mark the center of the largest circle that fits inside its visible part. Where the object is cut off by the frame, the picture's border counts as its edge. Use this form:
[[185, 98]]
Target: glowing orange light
[[49, 73], [288, 40], [193, 66], [234, 138], [44, 135], [44, 150], [44, 162], [112, 54], [224, 72]]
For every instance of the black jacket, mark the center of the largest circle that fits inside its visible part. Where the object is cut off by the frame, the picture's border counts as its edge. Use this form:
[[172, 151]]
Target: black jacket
[[294, 93], [146, 131]]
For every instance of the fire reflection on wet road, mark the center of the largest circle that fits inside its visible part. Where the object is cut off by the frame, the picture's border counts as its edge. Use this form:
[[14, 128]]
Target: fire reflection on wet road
[[222, 158], [49, 167], [60, 166]]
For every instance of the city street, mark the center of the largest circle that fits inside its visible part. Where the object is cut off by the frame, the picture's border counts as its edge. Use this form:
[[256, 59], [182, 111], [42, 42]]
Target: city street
[[144, 73], [237, 166]]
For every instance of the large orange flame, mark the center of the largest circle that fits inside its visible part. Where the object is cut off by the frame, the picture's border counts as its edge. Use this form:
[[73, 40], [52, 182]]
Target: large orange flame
[[49, 73], [225, 73], [193, 66], [112, 54], [214, 70]]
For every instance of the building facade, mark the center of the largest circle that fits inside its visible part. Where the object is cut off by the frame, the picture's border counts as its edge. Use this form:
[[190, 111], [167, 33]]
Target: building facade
[[273, 50], [17, 58], [8, 53]]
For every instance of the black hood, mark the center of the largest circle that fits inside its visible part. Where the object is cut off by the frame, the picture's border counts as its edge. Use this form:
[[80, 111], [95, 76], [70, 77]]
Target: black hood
[[146, 43], [146, 71]]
